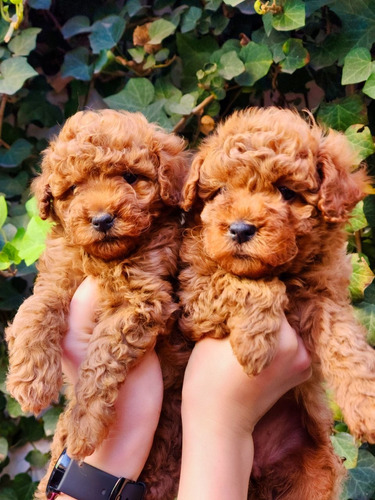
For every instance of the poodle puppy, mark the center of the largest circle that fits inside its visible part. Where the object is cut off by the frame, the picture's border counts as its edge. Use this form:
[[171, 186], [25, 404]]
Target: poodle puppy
[[111, 183], [270, 195]]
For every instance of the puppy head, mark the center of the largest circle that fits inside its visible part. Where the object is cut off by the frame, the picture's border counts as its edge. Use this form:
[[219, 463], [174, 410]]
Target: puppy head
[[267, 185], [106, 177]]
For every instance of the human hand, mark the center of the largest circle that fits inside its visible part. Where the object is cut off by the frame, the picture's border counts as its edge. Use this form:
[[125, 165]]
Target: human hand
[[125, 450], [221, 406]]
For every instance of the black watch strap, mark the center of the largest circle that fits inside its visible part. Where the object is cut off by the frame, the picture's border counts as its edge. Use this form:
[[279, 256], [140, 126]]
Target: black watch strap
[[85, 482]]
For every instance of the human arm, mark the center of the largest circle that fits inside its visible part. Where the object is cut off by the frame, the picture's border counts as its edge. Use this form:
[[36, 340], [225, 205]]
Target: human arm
[[125, 450], [221, 406]]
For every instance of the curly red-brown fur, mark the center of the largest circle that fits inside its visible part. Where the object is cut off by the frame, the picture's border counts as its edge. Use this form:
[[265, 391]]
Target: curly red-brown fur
[[291, 185], [118, 166]]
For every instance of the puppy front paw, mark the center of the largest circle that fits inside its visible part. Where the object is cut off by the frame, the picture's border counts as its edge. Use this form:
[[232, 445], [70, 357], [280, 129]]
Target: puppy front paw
[[254, 356], [360, 416], [33, 394]]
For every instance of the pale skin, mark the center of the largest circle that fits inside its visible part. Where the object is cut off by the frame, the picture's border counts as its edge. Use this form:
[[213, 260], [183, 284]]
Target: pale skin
[[221, 406]]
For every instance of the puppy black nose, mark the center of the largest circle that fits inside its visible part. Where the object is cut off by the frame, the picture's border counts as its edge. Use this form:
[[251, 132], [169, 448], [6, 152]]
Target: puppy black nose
[[102, 222], [241, 232]]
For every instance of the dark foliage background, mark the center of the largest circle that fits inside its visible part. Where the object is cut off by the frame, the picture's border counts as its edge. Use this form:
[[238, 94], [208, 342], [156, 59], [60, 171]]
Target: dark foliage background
[[185, 65]]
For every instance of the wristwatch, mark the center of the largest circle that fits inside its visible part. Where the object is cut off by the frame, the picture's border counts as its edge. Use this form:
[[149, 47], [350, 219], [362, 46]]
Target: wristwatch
[[85, 482]]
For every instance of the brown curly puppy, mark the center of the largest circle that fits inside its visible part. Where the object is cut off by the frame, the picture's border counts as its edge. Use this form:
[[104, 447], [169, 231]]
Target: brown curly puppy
[[270, 196], [111, 182]]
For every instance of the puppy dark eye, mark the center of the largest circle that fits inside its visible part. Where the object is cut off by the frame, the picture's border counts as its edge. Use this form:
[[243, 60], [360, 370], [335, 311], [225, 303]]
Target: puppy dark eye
[[286, 193], [130, 178]]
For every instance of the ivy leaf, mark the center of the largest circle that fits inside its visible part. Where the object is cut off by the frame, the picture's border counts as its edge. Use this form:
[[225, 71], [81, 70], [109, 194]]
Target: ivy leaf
[[24, 486], [14, 72], [257, 59], [361, 277], [160, 29], [369, 87], [342, 113], [233, 3], [24, 42], [40, 4], [3, 449], [33, 242], [195, 52], [37, 459], [75, 26], [365, 313], [3, 210], [136, 95], [358, 22], [296, 55], [357, 66], [155, 113], [230, 65], [190, 19], [361, 482], [50, 419], [76, 64], [325, 53], [357, 219], [184, 107], [106, 33], [292, 17], [360, 138], [19, 151], [13, 407], [35, 108], [345, 447]]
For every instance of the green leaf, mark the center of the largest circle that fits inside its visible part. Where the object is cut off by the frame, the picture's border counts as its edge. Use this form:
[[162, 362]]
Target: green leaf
[[361, 277], [32, 207], [50, 418], [136, 95], [357, 66], [230, 65], [292, 17], [361, 482], [106, 33], [358, 22], [184, 107], [233, 3], [360, 138], [37, 459], [195, 52], [3, 449], [342, 113], [325, 53], [296, 55], [75, 26], [8, 494], [160, 29], [14, 72], [33, 242], [369, 87], [365, 313], [257, 59], [40, 4], [24, 486], [35, 108], [3, 210], [18, 152], [24, 42], [190, 19], [13, 407], [357, 219], [345, 447], [76, 64], [138, 54]]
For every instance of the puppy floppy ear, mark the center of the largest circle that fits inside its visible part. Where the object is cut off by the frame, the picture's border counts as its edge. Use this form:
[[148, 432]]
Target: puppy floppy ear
[[42, 192], [173, 166], [189, 192], [340, 189]]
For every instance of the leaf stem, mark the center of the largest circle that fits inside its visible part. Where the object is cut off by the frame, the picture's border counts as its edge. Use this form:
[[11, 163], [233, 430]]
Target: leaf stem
[[195, 111]]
